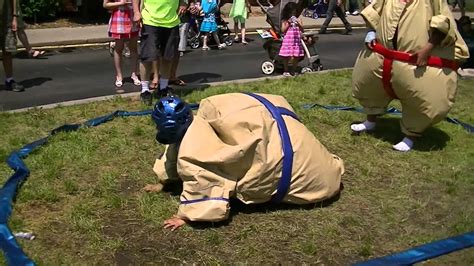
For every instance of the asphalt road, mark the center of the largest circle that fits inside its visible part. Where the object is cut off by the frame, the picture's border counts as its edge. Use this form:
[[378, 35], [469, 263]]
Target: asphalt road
[[79, 73]]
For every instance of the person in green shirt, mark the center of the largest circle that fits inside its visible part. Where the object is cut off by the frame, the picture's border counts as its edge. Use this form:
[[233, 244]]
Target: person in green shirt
[[159, 39], [8, 28]]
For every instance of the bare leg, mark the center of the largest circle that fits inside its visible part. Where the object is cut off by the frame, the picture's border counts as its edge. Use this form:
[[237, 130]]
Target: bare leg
[[242, 31], [8, 64], [165, 71], [293, 61], [24, 39], [174, 68], [216, 38], [285, 65], [156, 74], [145, 70], [132, 45], [204, 40], [119, 44], [236, 30]]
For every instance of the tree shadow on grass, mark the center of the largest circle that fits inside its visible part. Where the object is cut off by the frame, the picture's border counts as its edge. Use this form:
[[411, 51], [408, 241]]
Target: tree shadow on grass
[[388, 130]]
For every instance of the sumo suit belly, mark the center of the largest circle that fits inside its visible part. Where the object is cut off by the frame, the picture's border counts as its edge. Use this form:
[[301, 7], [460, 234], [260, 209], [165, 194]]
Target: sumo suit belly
[[426, 93]]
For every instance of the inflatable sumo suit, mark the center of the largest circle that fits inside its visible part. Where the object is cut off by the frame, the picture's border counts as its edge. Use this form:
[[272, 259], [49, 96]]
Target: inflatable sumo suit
[[250, 147], [389, 71]]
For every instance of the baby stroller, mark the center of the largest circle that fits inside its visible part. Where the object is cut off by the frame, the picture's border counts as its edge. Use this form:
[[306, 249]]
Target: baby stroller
[[195, 36], [311, 59], [316, 10]]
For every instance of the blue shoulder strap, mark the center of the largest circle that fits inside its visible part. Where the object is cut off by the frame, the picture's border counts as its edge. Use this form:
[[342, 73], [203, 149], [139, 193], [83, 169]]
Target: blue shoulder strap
[[287, 168]]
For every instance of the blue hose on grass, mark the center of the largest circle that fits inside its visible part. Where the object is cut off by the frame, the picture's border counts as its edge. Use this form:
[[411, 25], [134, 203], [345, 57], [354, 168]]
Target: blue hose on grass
[[424, 252], [10, 247], [469, 128]]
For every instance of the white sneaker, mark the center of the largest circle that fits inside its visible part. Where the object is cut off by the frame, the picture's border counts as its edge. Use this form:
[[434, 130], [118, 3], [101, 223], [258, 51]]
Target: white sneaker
[[355, 13], [347, 13], [221, 46]]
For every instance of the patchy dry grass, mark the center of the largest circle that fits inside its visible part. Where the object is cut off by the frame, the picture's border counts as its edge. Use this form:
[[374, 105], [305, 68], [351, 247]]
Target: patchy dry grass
[[84, 202]]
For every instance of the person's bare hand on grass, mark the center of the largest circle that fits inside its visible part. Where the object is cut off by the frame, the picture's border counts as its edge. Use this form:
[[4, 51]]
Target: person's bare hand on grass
[[174, 223], [153, 187]]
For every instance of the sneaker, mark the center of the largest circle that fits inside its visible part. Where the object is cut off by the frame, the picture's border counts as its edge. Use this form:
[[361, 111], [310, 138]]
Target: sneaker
[[181, 54], [221, 46], [158, 93], [13, 86], [287, 74], [146, 97], [355, 13], [347, 13]]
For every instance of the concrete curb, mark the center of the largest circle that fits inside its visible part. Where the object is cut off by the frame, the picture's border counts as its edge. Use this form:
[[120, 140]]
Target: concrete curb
[[137, 94]]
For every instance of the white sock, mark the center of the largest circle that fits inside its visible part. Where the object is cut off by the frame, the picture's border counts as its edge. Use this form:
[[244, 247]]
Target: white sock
[[9, 79], [405, 145], [365, 126], [164, 83], [145, 85]]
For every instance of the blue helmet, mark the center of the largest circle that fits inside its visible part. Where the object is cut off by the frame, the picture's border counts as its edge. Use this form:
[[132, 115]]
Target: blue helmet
[[172, 117]]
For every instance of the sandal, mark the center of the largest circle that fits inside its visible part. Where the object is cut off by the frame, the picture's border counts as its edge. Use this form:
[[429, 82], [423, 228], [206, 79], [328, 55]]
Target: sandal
[[36, 54], [118, 83], [136, 80], [177, 82]]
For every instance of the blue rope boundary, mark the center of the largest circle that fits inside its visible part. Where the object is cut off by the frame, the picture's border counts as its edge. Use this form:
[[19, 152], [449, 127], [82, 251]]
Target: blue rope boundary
[[469, 128], [12, 250], [424, 252]]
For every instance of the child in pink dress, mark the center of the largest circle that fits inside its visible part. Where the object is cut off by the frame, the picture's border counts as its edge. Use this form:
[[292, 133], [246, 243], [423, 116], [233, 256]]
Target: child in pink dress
[[291, 48], [122, 28]]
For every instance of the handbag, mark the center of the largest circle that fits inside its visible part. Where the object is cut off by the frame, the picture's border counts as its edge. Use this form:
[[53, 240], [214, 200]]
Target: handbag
[[10, 40]]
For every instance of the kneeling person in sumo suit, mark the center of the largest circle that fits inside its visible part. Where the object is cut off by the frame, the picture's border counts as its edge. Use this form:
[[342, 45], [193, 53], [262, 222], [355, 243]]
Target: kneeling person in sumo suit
[[251, 147]]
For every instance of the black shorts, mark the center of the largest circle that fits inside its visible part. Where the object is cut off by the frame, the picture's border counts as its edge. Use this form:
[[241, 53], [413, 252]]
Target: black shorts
[[158, 41]]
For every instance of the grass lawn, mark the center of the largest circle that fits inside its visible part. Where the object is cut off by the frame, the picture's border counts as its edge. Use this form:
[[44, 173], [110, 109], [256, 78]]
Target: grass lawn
[[84, 201]]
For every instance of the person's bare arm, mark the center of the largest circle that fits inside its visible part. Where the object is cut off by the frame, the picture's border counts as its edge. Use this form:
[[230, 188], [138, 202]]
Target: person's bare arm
[[107, 4], [14, 15], [137, 16], [284, 26], [182, 7]]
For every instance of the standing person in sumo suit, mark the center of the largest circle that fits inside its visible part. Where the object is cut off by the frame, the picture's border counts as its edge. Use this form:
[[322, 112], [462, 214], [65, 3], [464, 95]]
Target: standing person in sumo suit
[[412, 54], [251, 147]]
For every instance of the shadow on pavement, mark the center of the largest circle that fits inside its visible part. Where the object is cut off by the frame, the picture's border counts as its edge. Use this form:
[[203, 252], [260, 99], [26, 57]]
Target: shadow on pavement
[[29, 83], [200, 77]]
